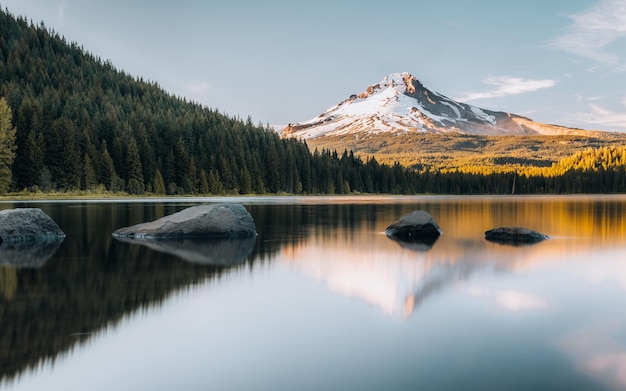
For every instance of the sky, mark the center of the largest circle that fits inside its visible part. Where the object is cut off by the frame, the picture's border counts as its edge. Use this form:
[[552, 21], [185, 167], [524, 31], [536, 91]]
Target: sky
[[280, 62]]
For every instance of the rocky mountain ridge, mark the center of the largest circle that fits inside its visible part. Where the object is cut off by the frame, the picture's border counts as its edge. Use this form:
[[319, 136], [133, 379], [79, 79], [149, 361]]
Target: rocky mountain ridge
[[401, 104]]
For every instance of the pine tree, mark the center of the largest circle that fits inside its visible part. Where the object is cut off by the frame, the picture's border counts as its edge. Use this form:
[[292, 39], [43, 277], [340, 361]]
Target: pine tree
[[108, 174], [34, 156], [7, 145], [63, 154], [135, 172], [191, 180], [29, 142], [245, 181], [204, 182], [159, 183], [272, 169], [181, 164], [215, 184], [89, 174]]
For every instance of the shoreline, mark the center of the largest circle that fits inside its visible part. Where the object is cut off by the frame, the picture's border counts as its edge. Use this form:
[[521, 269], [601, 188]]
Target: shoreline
[[308, 199]]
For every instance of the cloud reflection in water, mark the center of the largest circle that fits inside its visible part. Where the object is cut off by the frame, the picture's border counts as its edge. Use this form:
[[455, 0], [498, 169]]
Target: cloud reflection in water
[[597, 352]]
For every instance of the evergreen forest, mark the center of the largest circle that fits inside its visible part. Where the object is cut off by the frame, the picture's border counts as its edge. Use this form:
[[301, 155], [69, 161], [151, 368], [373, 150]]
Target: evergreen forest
[[70, 121]]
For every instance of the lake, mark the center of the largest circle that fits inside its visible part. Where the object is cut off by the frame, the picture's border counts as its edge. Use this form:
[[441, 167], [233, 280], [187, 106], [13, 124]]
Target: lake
[[321, 299]]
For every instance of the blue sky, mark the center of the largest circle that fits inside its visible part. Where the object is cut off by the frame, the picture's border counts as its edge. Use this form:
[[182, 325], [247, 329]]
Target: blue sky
[[561, 62]]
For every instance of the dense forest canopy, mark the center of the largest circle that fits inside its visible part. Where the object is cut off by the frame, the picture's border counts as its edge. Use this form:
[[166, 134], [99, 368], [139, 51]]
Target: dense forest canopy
[[81, 124]]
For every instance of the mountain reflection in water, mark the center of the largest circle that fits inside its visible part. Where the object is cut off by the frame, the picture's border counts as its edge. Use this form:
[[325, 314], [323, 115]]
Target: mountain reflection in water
[[397, 281], [92, 281]]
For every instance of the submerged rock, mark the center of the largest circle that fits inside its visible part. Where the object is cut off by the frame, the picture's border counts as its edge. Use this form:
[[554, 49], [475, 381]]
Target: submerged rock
[[203, 221], [515, 236], [416, 227], [28, 225]]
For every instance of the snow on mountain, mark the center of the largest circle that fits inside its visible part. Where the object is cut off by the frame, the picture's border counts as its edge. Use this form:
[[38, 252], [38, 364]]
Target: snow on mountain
[[401, 104]]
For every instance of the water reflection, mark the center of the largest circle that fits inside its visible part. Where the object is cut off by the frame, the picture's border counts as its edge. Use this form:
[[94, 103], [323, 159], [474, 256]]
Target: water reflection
[[420, 245], [398, 280], [28, 254], [598, 352], [212, 251], [92, 281], [353, 262]]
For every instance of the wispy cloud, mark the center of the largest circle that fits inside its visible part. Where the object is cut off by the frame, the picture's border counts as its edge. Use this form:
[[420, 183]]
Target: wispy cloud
[[602, 118], [593, 30], [508, 86]]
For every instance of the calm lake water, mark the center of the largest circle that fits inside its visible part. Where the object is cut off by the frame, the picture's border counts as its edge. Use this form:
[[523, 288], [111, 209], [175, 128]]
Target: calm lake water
[[322, 299]]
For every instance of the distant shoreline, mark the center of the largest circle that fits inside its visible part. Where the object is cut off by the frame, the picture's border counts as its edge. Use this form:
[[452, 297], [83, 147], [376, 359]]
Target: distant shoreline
[[309, 199]]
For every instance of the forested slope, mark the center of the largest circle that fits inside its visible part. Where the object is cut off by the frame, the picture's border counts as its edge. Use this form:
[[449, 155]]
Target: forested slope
[[82, 124]]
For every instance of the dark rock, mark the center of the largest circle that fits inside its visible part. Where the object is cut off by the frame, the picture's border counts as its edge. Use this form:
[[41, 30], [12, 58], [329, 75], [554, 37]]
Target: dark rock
[[203, 221], [417, 227], [515, 236], [28, 225], [209, 251]]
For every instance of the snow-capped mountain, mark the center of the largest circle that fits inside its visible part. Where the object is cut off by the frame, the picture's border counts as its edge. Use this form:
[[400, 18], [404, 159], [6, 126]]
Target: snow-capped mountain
[[401, 104]]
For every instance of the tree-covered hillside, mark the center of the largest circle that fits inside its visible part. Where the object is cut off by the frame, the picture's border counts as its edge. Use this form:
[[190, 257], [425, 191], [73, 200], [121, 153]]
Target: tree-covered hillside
[[81, 124]]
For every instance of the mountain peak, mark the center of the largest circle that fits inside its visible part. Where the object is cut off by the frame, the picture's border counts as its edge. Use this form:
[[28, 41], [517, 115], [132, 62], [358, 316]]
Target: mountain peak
[[400, 103], [402, 82]]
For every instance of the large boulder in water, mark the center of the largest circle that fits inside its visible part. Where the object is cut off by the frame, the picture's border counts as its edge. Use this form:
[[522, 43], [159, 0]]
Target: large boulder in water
[[28, 225], [203, 221], [416, 227], [515, 236]]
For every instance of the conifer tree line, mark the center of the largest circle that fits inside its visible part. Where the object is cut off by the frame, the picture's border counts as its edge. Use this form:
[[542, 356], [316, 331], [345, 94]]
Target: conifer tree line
[[72, 121]]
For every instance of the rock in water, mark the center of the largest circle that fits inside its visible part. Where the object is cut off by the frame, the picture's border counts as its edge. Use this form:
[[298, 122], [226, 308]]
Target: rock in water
[[203, 221], [418, 227], [28, 225], [514, 236]]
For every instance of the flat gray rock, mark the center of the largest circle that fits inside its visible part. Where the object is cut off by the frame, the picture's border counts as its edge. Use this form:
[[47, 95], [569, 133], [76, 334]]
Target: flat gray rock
[[416, 227], [28, 225], [515, 236], [203, 221]]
